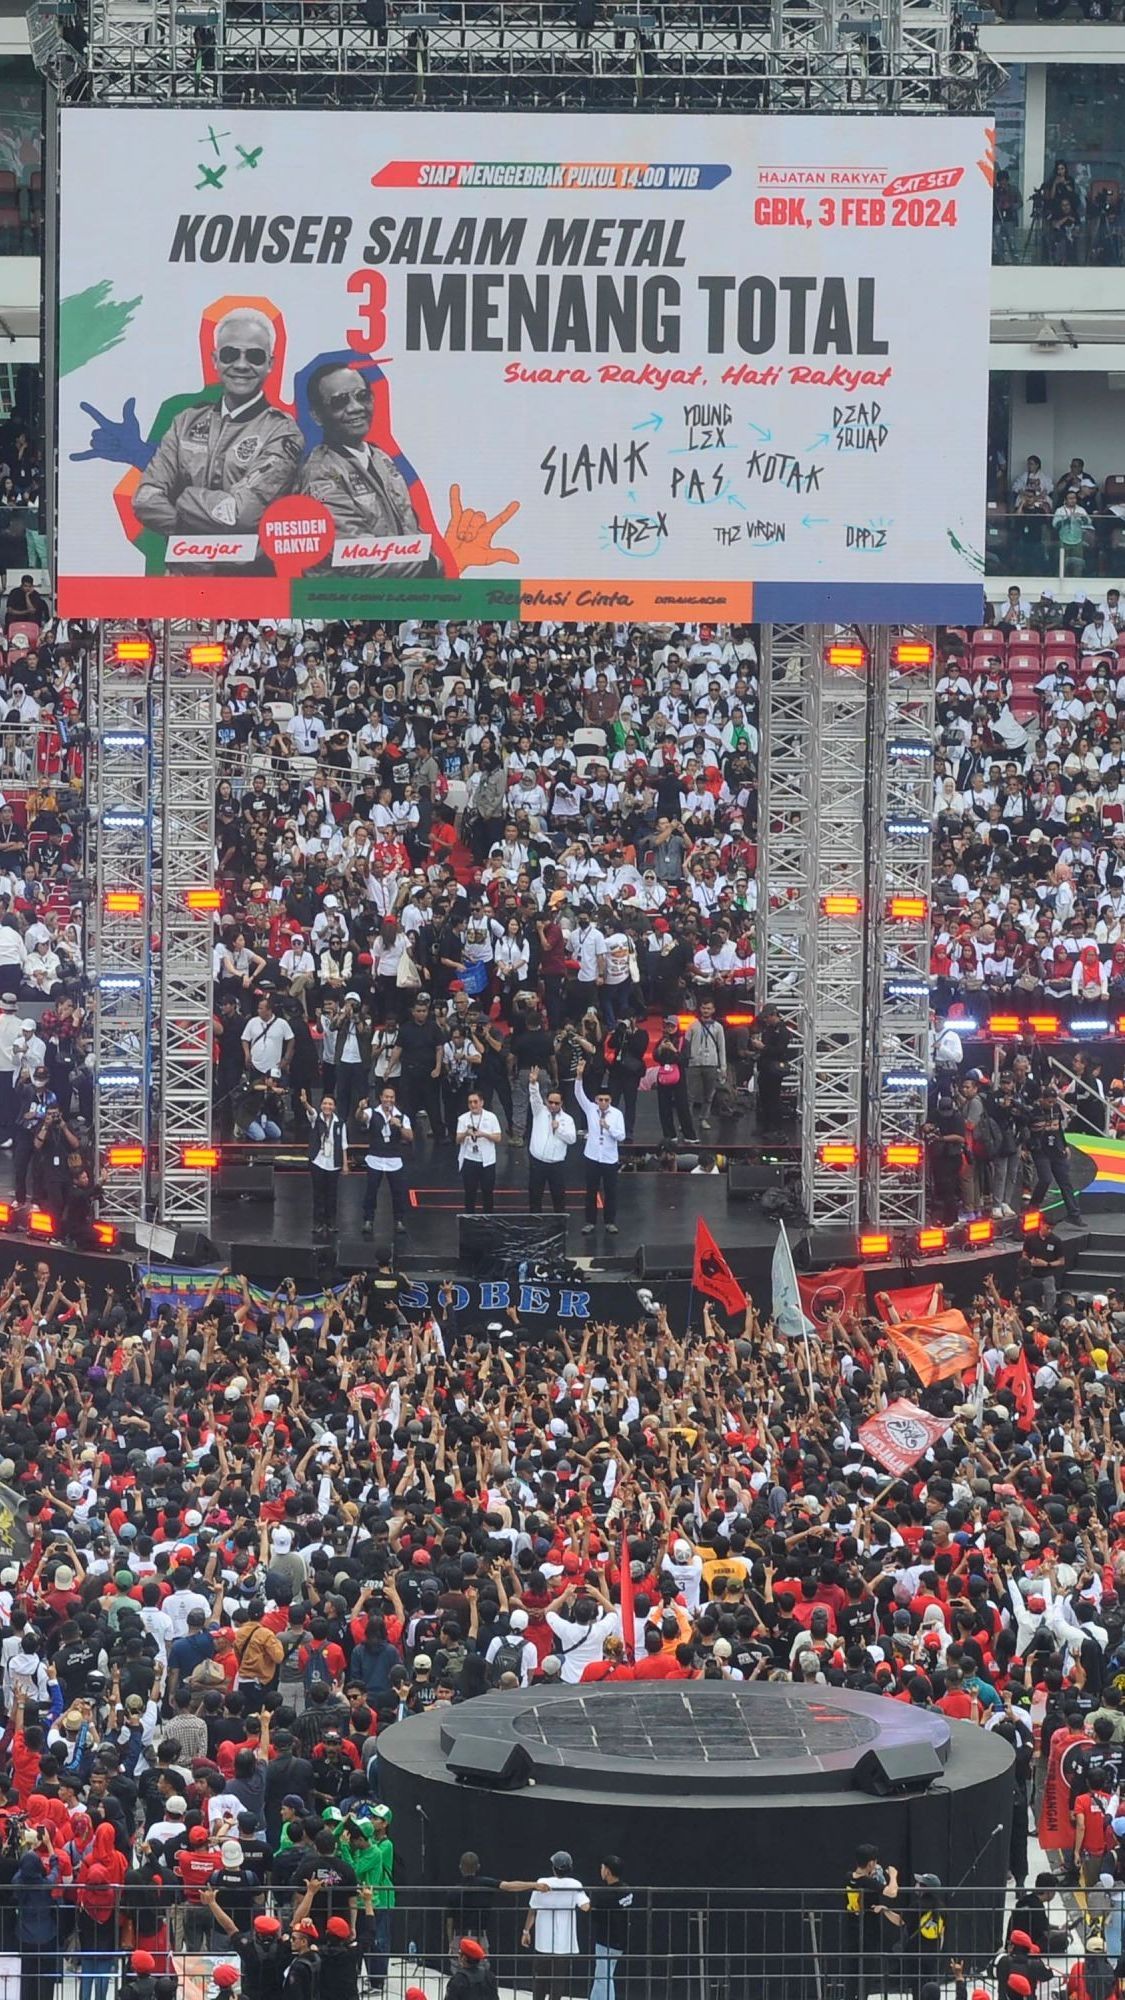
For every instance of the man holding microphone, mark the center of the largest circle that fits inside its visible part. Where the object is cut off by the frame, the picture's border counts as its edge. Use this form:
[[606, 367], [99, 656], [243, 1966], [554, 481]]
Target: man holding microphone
[[605, 1129], [478, 1134], [552, 1131]]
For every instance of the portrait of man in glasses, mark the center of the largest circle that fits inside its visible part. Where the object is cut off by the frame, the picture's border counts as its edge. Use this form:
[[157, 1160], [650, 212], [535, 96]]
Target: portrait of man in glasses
[[360, 485], [222, 461]]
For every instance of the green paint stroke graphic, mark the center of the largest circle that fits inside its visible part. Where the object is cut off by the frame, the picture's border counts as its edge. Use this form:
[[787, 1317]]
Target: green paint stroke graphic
[[90, 323], [972, 556]]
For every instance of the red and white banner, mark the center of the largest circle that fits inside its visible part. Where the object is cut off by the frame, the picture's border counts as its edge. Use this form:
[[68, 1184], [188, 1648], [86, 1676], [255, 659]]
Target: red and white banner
[[899, 1436]]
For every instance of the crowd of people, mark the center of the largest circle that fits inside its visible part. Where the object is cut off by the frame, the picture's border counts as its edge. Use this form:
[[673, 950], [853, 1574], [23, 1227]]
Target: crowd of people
[[454, 854], [260, 1533]]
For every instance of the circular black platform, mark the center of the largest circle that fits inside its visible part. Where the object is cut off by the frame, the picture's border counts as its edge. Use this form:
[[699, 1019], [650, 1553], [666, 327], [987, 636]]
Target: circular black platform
[[711, 1736], [709, 1783]]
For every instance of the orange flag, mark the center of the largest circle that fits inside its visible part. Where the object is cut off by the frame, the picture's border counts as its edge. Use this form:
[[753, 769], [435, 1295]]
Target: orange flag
[[936, 1347]]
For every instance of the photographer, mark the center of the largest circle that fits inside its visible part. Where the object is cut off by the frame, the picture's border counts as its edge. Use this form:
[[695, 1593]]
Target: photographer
[[261, 1110]]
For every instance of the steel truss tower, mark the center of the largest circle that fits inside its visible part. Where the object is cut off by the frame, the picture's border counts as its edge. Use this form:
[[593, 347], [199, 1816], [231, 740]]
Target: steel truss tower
[[152, 792], [845, 790], [843, 56]]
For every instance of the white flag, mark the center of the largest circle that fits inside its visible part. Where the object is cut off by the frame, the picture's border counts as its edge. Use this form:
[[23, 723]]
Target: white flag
[[788, 1317]]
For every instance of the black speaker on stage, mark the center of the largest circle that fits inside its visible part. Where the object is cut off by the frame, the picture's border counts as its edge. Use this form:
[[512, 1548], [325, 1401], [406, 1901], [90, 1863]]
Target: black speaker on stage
[[488, 1760], [269, 1263], [900, 1767], [246, 1177], [747, 1178]]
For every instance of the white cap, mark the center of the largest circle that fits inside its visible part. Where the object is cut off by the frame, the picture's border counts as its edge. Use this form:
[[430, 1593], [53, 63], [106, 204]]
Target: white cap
[[681, 1552], [282, 1540], [518, 1621]]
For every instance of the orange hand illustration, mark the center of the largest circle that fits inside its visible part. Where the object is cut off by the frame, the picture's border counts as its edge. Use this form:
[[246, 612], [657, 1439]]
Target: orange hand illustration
[[469, 534]]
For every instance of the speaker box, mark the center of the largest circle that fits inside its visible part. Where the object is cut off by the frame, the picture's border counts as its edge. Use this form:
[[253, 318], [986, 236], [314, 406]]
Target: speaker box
[[747, 1178], [489, 1760], [253, 1178], [900, 1767], [823, 1249], [194, 1247], [1035, 386], [269, 1263]]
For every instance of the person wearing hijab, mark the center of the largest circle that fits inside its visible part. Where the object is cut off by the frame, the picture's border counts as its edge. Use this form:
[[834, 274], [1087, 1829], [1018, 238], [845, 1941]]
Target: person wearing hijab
[[100, 1875], [37, 1923]]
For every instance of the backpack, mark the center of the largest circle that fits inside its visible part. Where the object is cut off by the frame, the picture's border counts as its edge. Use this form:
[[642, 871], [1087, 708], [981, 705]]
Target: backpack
[[989, 1138], [316, 1673], [508, 1660]]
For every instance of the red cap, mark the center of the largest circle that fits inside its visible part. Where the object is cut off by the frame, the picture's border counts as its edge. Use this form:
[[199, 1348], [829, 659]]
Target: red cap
[[420, 1559], [1019, 1983], [570, 1562], [267, 1926], [198, 1837], [472, 1949], [305, 1927], [338, 1927], [142, 1961], [225, 1975], [1020, 1939], [1036, 1603]]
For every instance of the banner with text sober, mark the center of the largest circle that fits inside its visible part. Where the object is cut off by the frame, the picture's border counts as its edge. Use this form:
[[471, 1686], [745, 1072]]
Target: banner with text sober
[[547, 367]]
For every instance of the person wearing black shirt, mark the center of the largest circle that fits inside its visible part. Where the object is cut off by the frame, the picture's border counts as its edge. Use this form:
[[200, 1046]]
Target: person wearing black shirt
[[326, 1885], [468, 1912], [263, 1956], [419, 1041], [870, 1896], [1045, 1259], [611, 1900], [771, 1041]]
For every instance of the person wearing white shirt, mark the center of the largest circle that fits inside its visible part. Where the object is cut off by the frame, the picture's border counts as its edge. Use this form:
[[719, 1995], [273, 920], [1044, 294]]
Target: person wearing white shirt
[[581, 1630], [552, 1131], [589, 949], [478, 1134], [605, 1130]]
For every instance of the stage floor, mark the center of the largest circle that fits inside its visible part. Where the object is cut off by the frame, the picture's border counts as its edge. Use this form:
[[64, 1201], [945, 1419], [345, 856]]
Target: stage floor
[[655, 1210]]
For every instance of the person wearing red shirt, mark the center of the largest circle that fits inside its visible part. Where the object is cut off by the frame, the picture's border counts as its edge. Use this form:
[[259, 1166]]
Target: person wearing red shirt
[[613, 1666], [957, 1702], [657, 1665], [27, 1749], [195, 1863]]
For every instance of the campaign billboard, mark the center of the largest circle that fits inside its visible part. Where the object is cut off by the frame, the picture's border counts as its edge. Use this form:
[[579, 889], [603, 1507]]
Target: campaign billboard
[[562, 366]]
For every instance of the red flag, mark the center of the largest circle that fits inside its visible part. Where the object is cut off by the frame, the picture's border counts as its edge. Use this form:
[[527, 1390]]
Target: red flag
[[909, 1302], [628, 1616], [840, 1290], [1017, 1378], [899, 1435], [712, 1275]]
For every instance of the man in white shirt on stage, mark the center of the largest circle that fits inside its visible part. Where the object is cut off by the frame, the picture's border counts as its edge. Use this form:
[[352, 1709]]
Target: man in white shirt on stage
[[605, 1129], [478, 1134], [552, 1131]]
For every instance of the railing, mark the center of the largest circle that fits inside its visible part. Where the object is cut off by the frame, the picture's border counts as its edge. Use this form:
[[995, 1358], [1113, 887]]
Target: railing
[[1097, 240], [1018, 544], [670, 1943]]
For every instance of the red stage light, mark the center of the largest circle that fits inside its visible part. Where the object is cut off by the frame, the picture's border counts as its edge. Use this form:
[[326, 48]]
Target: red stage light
[[907, 908], [124, 902], [1043, 1024], [201, 1157], [902, 1153], [138, 652], [1031, 1221], [1003, 1024], [981, 1231], [213, 654], [105, 1234], [840, 906], [125, 1156], [912, 653], [838, 1153], [203, 899], [40, 1223], [932, 1238], [845, 653], [875, 1243]]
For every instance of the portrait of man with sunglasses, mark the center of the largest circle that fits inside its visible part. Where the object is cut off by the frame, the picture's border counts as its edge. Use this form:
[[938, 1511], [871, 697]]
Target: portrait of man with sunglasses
[[360, 485], [221, 462]]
